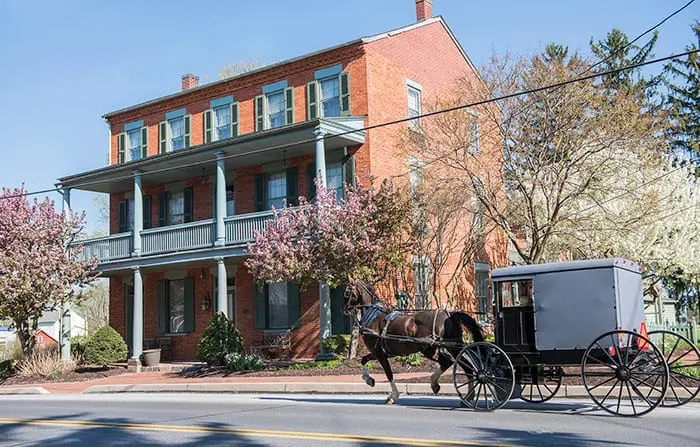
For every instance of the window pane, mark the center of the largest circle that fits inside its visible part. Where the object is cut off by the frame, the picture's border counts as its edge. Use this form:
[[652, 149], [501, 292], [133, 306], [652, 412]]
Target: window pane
[[177, 133], [277, 306], [334, 179], [177, 305], [516, 293], [176, 208], [277, 190], [134, 144], [223, 122], [330, 97], [413, 107], [482, 296], [275, 109]]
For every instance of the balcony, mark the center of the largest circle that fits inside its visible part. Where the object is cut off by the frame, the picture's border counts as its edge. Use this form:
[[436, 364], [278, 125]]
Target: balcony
[[175, 238]]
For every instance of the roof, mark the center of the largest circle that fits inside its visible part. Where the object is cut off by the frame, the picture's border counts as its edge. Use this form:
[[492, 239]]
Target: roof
[[53, 316], [534, 269], [362, 40]]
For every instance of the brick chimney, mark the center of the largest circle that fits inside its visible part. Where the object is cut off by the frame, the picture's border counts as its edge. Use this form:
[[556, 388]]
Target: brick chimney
[[189, 81], [424, 9]]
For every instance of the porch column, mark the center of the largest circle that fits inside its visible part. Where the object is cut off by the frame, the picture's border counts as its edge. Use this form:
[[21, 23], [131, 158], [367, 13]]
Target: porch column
[[64, 311], [220, 200], [137, 321], [138, 213], [324, 293], [221, 292]]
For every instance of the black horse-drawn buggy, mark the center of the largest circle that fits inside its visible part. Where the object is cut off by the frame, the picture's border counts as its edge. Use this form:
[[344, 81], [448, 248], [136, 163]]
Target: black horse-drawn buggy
[[547, 320]]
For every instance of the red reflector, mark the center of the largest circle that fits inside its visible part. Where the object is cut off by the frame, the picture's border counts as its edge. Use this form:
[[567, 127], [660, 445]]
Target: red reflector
[[643, 345]]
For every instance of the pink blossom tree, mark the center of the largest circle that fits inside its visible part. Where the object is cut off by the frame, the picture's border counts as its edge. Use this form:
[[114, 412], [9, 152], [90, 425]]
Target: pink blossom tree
[[39, 271]]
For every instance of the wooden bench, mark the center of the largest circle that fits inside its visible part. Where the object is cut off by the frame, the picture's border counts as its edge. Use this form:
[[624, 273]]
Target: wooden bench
[[278, 342]]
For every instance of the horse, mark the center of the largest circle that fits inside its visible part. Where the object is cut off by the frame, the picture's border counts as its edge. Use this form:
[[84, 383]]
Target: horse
[[426, 327]]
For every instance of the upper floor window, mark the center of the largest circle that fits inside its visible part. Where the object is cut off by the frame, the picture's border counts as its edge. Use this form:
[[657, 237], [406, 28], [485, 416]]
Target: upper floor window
[[132, 144], [474, 145], [276, 190], [230, 201], [329, 94], [275, 107], [221, 121], [414, 105], [174, 132], [176, 208], [133, 138]]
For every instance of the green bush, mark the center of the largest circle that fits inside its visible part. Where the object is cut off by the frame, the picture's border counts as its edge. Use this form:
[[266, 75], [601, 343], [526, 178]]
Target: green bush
[[220, 339], [321, 364], [236, 361], [7, 367], [415, 359], [105, 346], [337, 344], [77, 348], [490, 338]]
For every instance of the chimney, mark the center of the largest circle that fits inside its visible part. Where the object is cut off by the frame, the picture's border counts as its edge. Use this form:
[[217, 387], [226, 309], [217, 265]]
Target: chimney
[[189, 81], [424, 9]]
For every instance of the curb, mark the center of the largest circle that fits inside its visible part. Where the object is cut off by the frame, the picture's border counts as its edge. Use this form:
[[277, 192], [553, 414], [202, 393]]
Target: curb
[[22, 391]]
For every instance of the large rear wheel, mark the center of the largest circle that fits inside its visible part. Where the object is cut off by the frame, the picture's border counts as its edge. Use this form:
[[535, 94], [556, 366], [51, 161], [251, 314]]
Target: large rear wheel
[[483, 376], [683, 359]]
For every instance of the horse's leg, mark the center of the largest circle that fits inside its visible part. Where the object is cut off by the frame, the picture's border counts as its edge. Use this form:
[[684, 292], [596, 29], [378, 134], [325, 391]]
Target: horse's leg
[[382, 359], [445, 362], [365, 374]]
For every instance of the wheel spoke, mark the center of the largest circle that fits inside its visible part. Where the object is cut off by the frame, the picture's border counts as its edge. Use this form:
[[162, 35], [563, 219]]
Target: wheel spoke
[[478, 393], [531, 392], [627, 348], [603, 383], [686, 353], [629, 393], [539, 392], [607, 353], [501, 388], [685, 375], [609, 392], [617, 349], [640, 394], [619, 398], [673, 390], [601, 362], [678, 340], [653, 388], [680, 383]]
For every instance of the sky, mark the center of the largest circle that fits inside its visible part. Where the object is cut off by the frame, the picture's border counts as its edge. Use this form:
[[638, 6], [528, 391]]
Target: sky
[[65, 64]]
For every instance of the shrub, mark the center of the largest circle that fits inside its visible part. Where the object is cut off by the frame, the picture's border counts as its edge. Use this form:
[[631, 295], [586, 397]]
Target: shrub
[[220, 339], [490, 338], [320, 364], [415, 359], [104, 347], [77, 348], [7, 367], [337, 344], [236, 361], [45, 363]]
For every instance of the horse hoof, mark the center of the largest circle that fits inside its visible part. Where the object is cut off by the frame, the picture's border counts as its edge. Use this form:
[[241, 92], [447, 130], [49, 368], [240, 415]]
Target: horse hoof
[[435, 388], [370, 381], [389, 401]]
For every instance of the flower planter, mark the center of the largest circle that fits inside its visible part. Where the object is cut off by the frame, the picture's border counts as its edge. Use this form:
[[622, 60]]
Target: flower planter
[[151, 357]]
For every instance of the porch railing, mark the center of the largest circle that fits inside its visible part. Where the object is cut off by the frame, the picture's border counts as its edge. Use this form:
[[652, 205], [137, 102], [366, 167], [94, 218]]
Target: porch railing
[[240, 229], [107, 248], [180, 237]]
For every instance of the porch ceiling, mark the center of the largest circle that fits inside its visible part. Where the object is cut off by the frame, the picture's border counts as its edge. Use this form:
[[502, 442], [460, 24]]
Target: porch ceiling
[[246, 150]]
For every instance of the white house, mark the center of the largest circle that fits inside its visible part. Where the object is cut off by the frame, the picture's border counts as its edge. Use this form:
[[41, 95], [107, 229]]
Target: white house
[[50, 323]]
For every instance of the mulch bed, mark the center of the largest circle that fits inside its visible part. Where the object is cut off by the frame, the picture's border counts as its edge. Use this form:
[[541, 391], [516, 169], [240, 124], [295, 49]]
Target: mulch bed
[[80, 375]]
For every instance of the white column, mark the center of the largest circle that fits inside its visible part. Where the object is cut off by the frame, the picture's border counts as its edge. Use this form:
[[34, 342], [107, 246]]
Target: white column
[[324, 293], [137, 319], [138, 213], [221, 292], [64, 311], [220, 200], [320, 156]]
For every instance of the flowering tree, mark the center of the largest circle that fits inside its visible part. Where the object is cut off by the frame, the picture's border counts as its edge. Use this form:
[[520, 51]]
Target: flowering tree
[[363, 237], [38, 270]]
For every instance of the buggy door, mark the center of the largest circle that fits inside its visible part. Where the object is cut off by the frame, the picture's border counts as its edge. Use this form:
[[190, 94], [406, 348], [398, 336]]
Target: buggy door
[[515, 327]]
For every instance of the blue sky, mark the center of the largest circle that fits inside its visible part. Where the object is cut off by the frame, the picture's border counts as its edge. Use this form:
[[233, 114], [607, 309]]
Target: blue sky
[[64, 66]]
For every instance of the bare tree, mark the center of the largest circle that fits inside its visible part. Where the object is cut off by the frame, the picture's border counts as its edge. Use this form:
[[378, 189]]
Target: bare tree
[[95, 305], [237, 68]]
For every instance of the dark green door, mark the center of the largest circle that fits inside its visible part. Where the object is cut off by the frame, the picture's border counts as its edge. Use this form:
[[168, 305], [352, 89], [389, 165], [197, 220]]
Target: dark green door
[[340, 323]]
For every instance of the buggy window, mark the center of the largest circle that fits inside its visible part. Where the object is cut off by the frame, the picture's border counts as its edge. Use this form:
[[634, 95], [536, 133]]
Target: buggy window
[[515, 293]]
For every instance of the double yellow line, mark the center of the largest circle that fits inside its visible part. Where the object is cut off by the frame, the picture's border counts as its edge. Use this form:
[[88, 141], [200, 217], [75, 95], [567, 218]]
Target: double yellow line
[[308, 436]]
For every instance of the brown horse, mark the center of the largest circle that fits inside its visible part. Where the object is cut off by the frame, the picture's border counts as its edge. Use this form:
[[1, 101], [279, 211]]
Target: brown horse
[[386, 334]]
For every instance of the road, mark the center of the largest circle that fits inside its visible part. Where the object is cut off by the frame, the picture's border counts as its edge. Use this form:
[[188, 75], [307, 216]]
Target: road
[[324, 420]]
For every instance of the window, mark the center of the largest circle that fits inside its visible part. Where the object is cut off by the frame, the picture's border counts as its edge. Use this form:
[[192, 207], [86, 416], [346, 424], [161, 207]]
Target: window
[[477, 206], [474, 144], [176, 208], [222, 122], [275, 109], [176, 128], [515, 293], [277, 306], [176, 306], [414, 107], [421, 281], [230, 201], [276, 190], [330, 96], [133, 139], [481, 285], [334, 179]]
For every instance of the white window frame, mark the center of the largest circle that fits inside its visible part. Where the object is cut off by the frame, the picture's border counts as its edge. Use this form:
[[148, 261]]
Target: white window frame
[[319, 96], [181, 196], [269, 197], [127, 142], [283, 292], [169, 139], [215, 128], [414, 88], [266, 111], [474, 137]]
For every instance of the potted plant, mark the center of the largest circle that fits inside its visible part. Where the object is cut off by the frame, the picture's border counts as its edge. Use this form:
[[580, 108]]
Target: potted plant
[[151, 357]]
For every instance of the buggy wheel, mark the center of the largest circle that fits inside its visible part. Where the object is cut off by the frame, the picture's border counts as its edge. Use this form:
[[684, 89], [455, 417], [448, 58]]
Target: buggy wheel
[[683, 359], [624, 373], [544, 384], [483, 376]]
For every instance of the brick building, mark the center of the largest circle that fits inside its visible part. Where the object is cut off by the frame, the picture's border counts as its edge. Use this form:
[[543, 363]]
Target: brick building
[[193, 174]]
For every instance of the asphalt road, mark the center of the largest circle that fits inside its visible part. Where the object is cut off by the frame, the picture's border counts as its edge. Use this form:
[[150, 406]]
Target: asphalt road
[[325, 420]]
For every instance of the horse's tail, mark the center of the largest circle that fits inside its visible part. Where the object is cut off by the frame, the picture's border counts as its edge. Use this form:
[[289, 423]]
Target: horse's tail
[[469, 323]]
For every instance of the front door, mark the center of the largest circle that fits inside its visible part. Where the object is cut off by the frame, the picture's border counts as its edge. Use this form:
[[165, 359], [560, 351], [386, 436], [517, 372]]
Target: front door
[[516, 316]]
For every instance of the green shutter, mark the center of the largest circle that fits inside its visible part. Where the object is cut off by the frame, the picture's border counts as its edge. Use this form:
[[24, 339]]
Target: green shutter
[[189, 305], [348, 173], [188, 126], [289, 105], [292, 186], [310, 183], [260, 193], [260, 306], [189, 204], [311, 101], [163, 209], [207, 126], [345, 94], [120, 148], [293, 305], [162, 311], [123, 210], [147, 212], [259, 113], [340, 323], [144, 142], [162, 137], [234, 119]]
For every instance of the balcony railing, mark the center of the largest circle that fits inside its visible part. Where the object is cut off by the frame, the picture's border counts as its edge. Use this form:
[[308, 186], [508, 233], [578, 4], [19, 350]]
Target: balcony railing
[[174, 238]]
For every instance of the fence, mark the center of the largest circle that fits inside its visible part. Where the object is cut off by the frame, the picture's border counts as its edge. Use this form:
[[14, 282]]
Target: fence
[[687, 330]]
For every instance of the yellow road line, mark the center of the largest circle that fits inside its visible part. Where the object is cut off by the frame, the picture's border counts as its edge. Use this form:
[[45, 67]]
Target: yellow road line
[[337, 437]]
